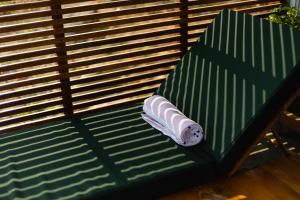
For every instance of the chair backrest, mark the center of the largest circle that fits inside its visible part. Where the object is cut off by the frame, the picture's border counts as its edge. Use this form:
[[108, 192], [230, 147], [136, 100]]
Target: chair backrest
[[253, 40], [235, 81]]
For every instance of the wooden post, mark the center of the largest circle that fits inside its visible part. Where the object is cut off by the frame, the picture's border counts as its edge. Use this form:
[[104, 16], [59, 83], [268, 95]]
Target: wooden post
[[183, 26], [62, 55]]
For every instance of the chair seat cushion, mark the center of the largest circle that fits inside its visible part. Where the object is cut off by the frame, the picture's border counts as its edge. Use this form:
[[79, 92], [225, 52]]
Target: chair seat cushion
[[107, 154]]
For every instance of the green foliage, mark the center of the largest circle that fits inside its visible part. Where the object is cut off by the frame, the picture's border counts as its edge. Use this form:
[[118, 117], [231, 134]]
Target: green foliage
[[286, 15]]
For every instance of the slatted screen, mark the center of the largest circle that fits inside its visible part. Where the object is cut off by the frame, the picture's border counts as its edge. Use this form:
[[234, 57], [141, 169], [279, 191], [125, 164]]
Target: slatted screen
[[65, 57], [29, 76]]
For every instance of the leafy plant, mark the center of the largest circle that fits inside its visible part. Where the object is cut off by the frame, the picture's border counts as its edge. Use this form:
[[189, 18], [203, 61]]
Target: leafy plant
[[286, 15]]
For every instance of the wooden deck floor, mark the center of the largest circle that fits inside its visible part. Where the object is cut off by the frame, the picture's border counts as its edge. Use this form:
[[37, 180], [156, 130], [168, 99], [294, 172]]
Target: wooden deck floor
[[277, 180]]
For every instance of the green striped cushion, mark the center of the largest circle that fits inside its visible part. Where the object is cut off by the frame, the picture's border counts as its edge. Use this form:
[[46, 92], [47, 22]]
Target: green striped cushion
[[50, 162], [96, 155], [273, 48], [220, 88]]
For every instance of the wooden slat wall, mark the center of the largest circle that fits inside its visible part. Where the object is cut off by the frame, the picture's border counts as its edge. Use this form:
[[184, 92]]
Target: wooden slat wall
[[29, 77], [65, 57]]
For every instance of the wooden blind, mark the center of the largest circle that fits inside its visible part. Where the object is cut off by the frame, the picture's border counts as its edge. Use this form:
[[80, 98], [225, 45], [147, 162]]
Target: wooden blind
[[65, 57]]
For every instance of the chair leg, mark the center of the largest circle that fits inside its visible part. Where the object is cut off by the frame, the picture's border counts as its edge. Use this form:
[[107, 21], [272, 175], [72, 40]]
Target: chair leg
[[285, 151], [279, 142]]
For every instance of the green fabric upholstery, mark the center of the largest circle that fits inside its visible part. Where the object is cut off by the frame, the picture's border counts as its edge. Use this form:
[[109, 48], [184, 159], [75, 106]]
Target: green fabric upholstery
[[224, 81], [98, 154], [50, 162], [271, 47]]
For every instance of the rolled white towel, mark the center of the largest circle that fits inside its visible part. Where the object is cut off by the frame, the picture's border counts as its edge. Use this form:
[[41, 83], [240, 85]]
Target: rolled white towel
[[165, 117]]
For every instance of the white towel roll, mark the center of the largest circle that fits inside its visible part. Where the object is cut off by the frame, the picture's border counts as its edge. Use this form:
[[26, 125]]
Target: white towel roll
[[165, 117]]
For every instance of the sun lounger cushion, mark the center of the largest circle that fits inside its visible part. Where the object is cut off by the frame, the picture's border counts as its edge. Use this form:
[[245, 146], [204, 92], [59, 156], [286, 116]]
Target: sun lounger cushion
[[96, 155]]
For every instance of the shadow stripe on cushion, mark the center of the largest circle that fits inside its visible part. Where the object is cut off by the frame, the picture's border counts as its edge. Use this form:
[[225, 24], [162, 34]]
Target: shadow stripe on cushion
[[89, 190], [132, 141], [160, 170], [10, 164], [151, 163], [39, 149], [145, 155], [123, 135], [36, 175], [139, 148], [186, 82], [111, 113], [43, 183], [82, 182], [282, 48], [119, 129], [34, 137], [35, 143], [9, 136], [40, 165]]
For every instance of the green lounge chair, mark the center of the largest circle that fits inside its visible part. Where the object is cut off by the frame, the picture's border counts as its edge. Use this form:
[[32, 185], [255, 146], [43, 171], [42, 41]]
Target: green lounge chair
[[115, 154]]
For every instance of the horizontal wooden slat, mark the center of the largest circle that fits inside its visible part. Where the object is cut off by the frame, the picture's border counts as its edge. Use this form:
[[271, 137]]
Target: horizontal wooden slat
[[197, 33], [30, 108], [122, 80], [113, 31], [105, 25], [127, 71], [27, 64], [32, 116], [31, 123], [114, 104], [128, 63], [117, 57], [28, 54], [252, 6], [204, 17], [24, 45], [126, 47], [25, 36], [219, 5], [26, 73], [257, 8], [114, 97], [22, 6], [115, 22], [198, 26], [263, 14], [32, 81], [106, 4], [18, 93], [24, 16], [146, 8], [24, 26], [121, 88], [22, 101], [120, 39]]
